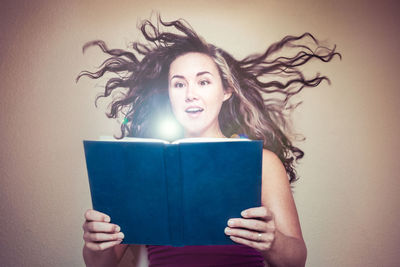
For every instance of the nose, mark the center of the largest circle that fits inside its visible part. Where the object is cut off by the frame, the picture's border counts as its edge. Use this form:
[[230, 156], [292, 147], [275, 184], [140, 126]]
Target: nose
[[190, 93]]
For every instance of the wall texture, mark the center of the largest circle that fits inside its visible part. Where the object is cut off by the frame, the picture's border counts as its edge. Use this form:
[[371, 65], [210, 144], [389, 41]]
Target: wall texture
[[348, 194]]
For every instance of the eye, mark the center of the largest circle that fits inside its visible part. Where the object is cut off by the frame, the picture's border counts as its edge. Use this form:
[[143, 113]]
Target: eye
[[204, 82], [179, 85]]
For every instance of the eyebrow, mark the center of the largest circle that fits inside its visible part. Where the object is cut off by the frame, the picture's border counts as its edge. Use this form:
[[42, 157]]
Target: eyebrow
[[197, 75], [203, 72]]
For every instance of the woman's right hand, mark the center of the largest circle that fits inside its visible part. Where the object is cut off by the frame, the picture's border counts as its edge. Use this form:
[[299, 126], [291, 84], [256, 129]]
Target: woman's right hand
[[98, 233]]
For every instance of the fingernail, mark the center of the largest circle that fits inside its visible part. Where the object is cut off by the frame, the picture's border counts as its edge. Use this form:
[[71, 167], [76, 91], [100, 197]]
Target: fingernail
[[227, 230], [231, 222], [243, 213], [120, 235], [117, 228], [107, 219]]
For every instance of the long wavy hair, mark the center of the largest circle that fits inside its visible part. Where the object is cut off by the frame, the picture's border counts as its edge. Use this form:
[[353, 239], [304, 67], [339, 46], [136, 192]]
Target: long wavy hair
[[261, 84]]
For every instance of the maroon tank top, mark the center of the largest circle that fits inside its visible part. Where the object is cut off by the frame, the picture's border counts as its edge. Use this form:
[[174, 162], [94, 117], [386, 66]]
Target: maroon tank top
[[196, 256]]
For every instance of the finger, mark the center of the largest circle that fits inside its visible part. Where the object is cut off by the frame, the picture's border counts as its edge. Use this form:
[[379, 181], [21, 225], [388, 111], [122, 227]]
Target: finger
[[249, 235], [94, 215], [261, 246], [102, 245], [101, 237], [258, 212], [101, 227], [250, 224]]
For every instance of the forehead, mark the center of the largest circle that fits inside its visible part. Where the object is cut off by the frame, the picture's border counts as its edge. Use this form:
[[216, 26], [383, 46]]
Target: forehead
[[192, 63]]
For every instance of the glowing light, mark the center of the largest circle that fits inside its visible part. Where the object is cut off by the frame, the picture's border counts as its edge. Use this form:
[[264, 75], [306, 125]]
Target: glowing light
[[169, 129]]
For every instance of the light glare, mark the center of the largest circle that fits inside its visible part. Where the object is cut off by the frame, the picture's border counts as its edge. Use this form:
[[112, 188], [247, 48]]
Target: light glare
[[169, 129]]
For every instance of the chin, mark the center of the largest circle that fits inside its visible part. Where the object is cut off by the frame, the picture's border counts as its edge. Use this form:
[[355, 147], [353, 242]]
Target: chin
[[194, 128], [193, 133]]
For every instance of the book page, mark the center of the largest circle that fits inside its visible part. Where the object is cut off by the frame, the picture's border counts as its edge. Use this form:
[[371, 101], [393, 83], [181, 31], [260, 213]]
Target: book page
[[208, 139], [179, 141], [132, 139]]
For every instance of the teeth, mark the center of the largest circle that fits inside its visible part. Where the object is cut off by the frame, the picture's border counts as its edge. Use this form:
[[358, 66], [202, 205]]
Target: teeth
[[194, 110]]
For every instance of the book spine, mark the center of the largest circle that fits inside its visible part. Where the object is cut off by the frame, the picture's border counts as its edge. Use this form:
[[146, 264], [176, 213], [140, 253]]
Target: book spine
[[174, 193]]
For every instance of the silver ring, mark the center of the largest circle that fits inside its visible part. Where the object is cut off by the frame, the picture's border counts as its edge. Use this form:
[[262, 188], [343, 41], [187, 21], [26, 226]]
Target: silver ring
[[259, 237]]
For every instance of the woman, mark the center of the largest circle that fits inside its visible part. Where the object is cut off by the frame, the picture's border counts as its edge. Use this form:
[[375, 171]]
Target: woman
[[213, 95]]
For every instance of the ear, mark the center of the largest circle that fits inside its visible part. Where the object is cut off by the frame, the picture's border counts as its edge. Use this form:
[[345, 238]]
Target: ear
[[227, 93]]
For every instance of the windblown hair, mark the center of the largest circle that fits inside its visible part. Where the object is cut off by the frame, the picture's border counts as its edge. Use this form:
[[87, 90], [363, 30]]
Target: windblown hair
[[261, 84]]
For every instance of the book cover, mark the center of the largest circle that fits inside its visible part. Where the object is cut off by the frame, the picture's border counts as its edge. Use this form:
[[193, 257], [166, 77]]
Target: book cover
[[174, 194]]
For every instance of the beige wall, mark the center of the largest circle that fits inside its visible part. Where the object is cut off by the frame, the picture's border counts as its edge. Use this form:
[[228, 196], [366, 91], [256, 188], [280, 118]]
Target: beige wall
[[348, 194]]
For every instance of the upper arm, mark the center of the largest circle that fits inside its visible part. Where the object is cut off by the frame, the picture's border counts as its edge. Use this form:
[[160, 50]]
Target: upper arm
[[277, 196]]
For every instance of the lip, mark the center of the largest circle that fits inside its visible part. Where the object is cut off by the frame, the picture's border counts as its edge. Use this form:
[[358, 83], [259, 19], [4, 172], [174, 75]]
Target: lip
[[193, 111], [193, 108]]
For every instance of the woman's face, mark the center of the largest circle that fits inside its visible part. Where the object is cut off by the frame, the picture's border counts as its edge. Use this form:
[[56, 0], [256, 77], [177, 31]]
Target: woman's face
[[196, 94]]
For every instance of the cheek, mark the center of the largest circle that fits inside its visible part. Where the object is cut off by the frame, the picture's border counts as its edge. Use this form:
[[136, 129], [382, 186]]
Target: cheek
[[216, 101]]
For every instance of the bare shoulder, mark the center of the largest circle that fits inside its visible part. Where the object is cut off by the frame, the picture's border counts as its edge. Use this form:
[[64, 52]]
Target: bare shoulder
[[272, 166], [270, 156], [275, 182]]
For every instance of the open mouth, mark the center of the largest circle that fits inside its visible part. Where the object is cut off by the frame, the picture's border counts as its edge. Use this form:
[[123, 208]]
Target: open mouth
[[193, 110]]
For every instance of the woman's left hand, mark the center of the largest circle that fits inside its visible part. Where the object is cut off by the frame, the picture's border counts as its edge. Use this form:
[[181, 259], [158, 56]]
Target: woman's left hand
[[256, 229]]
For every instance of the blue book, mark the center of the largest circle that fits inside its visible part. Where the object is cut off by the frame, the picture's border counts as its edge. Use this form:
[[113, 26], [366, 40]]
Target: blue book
[[174, 194]]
